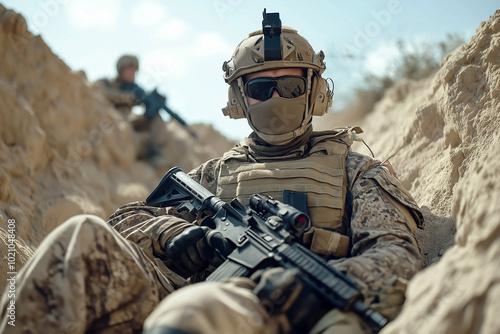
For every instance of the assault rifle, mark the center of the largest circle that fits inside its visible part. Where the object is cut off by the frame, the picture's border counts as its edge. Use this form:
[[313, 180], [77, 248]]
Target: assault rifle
[[154, 101], [264, 235]]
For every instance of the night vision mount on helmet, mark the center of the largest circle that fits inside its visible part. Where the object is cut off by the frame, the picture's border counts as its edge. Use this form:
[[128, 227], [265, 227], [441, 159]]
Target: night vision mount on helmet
[[276, 47]]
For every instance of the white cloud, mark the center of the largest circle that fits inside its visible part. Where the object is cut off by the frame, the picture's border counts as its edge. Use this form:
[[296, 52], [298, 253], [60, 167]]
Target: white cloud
[[161, 66], [147, 13], [211, 43], [84, 15], [172, 29], [183, 58], [378, 61]]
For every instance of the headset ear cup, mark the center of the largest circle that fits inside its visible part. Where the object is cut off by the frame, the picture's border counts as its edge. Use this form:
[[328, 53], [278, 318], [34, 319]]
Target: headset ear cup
[[234, 108], [323, 97]]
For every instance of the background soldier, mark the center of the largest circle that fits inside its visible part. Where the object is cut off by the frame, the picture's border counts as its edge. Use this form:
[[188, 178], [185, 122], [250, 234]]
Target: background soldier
[[124, 94], [123, 100], [89, 276]]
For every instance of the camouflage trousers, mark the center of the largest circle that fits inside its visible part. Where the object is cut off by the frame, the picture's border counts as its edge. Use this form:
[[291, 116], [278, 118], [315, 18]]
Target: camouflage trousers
[[84, 277]]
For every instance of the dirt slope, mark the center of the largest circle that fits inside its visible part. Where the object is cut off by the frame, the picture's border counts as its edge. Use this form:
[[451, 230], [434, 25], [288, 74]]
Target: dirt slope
[[63, 149], [444, 132]]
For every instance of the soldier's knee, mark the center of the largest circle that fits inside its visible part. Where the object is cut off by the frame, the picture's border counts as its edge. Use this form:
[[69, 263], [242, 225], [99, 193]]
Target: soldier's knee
[[83, 221], [338, 322], [201, 295], [185, 305], [211, 307], [84, 226]]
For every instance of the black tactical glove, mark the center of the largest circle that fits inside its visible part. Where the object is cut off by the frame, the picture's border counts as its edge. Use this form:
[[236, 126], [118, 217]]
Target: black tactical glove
[[284, 291], [189, 252]]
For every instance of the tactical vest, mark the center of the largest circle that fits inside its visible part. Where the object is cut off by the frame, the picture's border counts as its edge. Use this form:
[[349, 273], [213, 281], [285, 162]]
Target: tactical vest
[[321, 175]]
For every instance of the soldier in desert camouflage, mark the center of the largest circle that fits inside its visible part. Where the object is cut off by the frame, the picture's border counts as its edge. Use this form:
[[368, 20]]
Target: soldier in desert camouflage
[[123, 100], [135, 272], [124, 94]]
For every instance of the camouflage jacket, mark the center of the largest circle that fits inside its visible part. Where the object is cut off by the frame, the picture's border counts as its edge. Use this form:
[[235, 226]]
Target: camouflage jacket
[[383, 253]]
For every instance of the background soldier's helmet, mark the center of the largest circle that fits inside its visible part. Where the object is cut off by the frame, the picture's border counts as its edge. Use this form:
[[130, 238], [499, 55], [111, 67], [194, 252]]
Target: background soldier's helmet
[[251, 56], [126, 60]]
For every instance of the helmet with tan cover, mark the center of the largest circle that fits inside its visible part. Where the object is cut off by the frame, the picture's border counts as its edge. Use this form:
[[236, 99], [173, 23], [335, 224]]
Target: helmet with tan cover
[[126, 60], [276, 47]]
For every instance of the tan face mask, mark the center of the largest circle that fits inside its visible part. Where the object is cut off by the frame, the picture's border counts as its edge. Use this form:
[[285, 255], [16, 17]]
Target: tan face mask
[[277, 117]]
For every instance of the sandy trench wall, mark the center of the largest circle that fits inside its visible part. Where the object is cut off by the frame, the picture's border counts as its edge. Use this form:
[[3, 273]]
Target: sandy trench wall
[[461, 292], [444, 133], [64, 150]]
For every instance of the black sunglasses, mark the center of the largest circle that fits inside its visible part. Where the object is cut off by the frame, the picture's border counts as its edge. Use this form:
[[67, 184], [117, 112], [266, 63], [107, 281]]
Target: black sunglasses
[[289, 86]]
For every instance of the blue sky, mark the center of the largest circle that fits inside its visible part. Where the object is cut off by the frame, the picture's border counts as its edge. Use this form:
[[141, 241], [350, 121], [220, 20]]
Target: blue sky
[[182, 44]]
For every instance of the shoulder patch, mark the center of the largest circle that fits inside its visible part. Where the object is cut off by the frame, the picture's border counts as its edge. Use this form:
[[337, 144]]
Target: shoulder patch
[[382, 176]]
